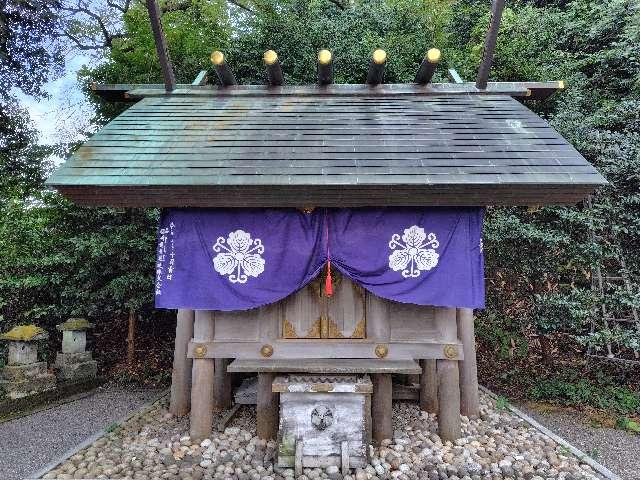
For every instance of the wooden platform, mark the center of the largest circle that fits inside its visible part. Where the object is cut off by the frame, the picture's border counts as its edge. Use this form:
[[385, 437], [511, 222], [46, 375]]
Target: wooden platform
[[323, 366]]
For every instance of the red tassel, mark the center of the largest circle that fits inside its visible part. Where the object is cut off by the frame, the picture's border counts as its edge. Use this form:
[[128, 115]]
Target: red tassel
[[328, 286]]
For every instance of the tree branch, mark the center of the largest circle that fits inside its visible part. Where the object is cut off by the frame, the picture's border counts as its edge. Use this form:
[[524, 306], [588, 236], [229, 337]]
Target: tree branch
[[242, 6], [81, 46], [123, 8]]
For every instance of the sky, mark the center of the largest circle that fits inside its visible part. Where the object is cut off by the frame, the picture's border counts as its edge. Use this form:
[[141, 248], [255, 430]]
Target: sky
[[66, 115]]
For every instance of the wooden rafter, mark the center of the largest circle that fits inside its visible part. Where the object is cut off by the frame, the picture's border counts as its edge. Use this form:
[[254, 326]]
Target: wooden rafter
[[161, 45], [490, 43]]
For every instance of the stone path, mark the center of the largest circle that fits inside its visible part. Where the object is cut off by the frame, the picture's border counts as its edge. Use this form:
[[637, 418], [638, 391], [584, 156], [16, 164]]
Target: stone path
[[29, 443], [617, 450]]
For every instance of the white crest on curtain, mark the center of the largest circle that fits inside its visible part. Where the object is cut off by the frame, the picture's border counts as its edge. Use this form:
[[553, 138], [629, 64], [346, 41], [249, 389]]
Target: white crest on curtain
[[239, 257], [412, 255]]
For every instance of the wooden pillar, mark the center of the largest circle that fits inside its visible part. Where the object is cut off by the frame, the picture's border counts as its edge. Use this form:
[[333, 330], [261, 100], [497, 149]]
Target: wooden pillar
[[429, 386], [222, 385], [267, 407], [469, 401], [448, 379], [181, 373], [382, 407], [202, 380]]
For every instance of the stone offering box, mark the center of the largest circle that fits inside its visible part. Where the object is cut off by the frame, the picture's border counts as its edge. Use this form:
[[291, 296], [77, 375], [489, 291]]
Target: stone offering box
[[24, 375], [324, 421], [74, 363]]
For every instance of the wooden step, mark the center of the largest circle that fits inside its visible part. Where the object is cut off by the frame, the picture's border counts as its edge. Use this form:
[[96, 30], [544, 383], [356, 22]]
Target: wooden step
[[324, 365]]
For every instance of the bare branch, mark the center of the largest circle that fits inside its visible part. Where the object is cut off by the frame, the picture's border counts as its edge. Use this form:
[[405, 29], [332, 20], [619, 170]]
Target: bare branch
[[242, 6], [124, 8], [81, 46], [106, 34]]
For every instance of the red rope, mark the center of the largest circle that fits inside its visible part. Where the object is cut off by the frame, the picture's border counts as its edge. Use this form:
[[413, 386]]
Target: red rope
[[328, 285]]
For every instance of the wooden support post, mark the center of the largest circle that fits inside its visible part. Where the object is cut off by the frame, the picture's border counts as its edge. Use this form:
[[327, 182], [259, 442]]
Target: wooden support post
[[376, 68], [448, 400], [469, 401], [267, 407], [490, 44], [202, 380], [449, 427], [428, 66], [181, 373], [222, 68], [429, 386], [222, 385], [325, 67], [382, 407], [274, 70], [161, 45]]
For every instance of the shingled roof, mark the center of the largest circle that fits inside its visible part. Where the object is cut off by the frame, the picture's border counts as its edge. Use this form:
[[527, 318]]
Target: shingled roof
[[254, 148]]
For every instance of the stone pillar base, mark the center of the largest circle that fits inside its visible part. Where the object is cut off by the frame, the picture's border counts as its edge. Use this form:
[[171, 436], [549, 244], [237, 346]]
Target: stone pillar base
[[75, 366], [23, 380]]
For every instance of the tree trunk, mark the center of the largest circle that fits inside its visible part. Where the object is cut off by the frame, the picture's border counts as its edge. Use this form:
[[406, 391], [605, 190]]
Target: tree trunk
[[131, 345], [545, 350]]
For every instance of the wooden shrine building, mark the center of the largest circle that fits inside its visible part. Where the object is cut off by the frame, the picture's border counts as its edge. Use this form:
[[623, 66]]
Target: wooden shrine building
[[312, 146]]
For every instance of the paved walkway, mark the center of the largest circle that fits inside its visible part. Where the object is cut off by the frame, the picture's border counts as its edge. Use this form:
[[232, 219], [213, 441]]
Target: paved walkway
[[29, 443], [617, 450]]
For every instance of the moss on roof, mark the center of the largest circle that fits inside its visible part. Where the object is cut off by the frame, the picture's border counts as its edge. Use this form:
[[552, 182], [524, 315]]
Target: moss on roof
[[75, 324], [24, 333]]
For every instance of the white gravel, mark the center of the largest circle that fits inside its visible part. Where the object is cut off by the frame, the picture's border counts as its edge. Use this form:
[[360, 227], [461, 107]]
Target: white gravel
[[29, 443], [154, 445]]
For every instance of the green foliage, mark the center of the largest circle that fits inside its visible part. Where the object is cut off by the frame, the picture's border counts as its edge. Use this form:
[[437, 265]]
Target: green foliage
[[625, 423], [297, 29], [23, 163], [500, 334], [571, 388], [502, 404], [114, 427], [27, 54]]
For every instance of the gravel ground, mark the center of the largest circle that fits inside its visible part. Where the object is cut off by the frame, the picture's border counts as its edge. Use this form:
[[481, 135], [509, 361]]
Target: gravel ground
[[617, 450], [29, 443], [153, 445]]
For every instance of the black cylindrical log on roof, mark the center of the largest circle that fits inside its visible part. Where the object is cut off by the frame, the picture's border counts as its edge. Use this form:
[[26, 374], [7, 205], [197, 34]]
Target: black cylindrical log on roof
[[376, 67], [274, 70], [222, 68], [325, 67], [428, 66]]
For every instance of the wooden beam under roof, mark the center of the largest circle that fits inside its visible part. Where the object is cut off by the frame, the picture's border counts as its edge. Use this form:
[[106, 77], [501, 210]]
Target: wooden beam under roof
[[134, 92]]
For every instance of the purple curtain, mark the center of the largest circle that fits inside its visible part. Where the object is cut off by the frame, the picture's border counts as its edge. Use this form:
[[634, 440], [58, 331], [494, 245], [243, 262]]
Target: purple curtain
[[237, 259]]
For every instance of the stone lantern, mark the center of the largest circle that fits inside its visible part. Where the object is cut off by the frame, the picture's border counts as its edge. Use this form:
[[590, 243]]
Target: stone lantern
[[24, 375], [74, 363]]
